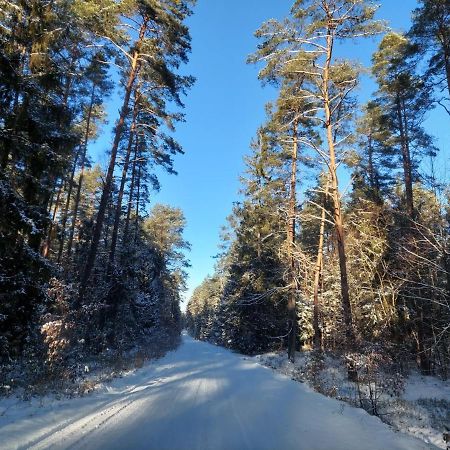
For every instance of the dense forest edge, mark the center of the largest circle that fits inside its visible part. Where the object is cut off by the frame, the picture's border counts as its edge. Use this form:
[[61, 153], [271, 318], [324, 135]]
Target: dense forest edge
[[360, 274], [89, 277]]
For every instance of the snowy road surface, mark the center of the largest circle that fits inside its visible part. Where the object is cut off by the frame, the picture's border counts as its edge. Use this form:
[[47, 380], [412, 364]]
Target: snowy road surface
[[199, 397]]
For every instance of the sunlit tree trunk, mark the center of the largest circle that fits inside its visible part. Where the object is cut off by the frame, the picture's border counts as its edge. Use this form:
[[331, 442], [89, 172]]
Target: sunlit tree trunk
[[317, 339], [334, 187], [292, 304]]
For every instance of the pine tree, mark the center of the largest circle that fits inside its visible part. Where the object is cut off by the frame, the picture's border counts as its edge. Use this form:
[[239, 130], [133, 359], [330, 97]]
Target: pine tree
[[405, 101], [430, 33], [304, 45], [162, 42], [373, 171]]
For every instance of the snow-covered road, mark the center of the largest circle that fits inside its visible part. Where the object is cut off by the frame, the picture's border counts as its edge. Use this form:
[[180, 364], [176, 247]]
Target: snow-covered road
[[199, 397]]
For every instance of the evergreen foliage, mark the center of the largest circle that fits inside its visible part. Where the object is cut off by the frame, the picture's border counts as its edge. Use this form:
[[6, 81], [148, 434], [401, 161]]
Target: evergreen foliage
[[62, 221], [370, 267]]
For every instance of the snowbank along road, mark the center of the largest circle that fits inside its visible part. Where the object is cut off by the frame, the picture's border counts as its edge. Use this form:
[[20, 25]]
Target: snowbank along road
[[201, 397]]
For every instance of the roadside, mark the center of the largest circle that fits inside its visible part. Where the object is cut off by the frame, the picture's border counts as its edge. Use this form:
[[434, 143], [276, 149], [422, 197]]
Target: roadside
[[416, 405]]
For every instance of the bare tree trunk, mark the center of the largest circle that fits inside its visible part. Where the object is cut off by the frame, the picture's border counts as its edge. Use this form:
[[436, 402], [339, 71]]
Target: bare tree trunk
[[446, 263], [424, 361], [80, 178], [446, 51], [69, 192], [292, 304], [66, 208], [134, 68], [52, 195], [108, 215], [130, 196], [138, 199], [48, 242], [126, 164], [337, 211], [317, 339]]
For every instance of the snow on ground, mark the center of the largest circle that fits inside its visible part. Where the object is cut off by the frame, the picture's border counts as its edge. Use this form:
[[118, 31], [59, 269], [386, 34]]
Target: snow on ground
[[197, 397], [420, 387], [422, 408]]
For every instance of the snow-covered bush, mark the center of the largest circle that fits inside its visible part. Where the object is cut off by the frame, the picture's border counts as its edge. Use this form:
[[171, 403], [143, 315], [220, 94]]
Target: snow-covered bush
[[378, 376]]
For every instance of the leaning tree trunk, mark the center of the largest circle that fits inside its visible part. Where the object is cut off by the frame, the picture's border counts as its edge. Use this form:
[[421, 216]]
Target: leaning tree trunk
[[134, 69], [292, 304]]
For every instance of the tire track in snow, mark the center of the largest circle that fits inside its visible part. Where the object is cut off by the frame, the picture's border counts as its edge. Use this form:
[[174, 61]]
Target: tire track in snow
[[90, 423]]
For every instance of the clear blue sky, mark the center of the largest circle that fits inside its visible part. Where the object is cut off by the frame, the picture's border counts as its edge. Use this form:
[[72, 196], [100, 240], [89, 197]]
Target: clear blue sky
[[223, 111]]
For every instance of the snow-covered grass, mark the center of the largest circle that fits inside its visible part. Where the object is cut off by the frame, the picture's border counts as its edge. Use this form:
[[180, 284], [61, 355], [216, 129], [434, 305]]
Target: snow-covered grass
[[26, 380], [414, 404]]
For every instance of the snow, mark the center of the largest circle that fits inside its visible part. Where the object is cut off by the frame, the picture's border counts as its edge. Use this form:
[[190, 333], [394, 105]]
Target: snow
[[420, 387], [197, 397], [421, 410]]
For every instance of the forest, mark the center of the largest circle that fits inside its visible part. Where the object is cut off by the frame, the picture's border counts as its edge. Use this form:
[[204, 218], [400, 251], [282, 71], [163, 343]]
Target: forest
[[339, 241], [307, 262], [86, 270], [329, 300]]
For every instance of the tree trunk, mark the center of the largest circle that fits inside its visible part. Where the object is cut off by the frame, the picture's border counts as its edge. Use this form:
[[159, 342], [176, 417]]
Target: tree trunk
[[424, 361], [134, 68], [52, 195], [292, 304], [80, 178], [138, 199], [126, 164], [130, 196], [337, 212], [446, 263], [406, 159], [446, 50], [66, 208], [317, 339], [48, 242], [69, 192]]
